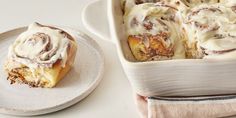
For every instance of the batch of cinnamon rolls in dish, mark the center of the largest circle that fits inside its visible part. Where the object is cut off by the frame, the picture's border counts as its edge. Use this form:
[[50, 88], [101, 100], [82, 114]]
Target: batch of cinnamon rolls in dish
[[41, 56], [180, 29]]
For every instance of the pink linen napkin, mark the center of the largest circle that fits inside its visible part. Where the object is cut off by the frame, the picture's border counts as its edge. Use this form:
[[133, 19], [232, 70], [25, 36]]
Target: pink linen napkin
[[191, 107]]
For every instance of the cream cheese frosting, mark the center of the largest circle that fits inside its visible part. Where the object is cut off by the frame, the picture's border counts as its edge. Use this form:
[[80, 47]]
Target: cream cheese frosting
[[39, 47]]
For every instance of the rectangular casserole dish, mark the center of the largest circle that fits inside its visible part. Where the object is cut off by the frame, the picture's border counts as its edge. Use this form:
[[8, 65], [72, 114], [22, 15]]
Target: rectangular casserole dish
[[182, 77]]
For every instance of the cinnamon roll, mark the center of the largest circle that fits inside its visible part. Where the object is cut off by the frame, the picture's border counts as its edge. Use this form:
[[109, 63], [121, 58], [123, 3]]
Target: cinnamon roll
[[40, 56], [212, 30], [152, 31]]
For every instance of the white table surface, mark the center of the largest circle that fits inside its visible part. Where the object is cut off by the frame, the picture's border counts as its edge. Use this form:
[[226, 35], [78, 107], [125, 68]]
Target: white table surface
[[113, 97]]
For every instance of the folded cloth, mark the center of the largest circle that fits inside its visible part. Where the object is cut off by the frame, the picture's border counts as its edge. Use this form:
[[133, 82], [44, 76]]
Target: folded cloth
[[192, 107]]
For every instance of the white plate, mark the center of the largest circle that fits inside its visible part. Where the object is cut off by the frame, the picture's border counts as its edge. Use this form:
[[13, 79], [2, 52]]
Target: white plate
[[79, 82]]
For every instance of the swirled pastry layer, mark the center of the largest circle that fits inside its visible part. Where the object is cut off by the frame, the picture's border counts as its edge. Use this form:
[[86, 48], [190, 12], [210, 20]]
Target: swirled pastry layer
[[152, 31], [40, 46]]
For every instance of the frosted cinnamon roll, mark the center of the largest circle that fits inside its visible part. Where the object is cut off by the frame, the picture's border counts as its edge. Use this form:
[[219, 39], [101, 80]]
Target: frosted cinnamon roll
[[211, 29], [40, 56], [152, 32]]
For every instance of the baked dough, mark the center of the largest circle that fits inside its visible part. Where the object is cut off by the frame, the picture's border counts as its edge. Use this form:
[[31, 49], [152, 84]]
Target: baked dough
[[152, 31], [40, 56]]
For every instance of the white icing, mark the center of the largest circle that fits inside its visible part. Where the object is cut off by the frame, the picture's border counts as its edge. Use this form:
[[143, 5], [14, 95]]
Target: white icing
[[32, 52]]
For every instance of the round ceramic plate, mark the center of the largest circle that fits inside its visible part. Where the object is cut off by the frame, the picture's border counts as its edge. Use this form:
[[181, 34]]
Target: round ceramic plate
[[20, 99]]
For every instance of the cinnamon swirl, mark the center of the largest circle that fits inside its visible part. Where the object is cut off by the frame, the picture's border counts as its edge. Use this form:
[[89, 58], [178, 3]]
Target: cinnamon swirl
[[40, 56], [152, 31]]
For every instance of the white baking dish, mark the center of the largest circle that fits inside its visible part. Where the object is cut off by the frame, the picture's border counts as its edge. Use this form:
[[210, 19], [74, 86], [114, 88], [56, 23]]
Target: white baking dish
[[184, 77]]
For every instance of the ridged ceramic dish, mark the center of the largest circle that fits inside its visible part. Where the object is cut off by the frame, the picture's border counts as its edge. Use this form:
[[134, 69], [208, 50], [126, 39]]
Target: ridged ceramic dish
[[184, 77]]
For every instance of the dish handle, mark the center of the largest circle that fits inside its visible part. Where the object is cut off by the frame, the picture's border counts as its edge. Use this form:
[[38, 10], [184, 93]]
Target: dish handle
[[95, 19]]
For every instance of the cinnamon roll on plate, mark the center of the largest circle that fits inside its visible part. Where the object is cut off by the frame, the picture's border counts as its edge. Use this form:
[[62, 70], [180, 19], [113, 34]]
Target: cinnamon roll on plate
[[153, 32], [40, 56], [213, 29]]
